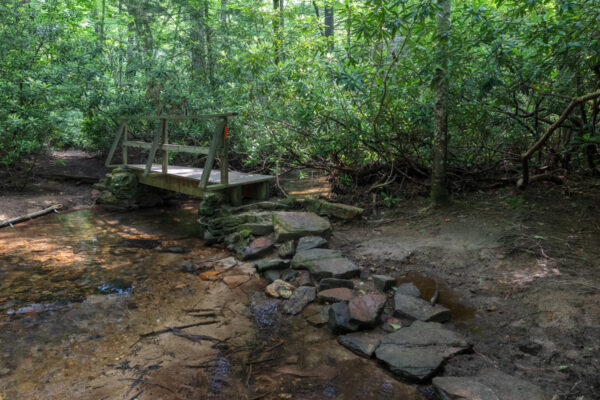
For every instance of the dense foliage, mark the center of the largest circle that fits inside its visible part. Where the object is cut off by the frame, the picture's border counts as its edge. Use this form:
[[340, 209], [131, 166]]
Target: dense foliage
[[352, 94]]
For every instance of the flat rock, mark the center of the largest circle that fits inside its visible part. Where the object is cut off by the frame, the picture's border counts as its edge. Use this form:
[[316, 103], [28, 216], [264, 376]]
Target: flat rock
[[335, 295], [287, 249], [383, 283], [301, 297], [325, 263], [295, 224], [409, 289], [339, 318], [332, 283], [316, 314], [361, 343], [311, 242], [257, 248], [417, 308], [304, 279], [417, 352], [233, 281], [271, 263], [280, 288], [272, 275], [490, 384], [338, 210], [366, 309]]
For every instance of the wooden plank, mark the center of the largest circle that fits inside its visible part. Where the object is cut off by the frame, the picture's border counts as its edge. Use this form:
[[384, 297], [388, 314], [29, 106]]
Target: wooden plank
[[223, 154], [176, 148], [165, 152], [210, 160], [184, 117], [124, 149], [179, 185], [152, 154], [113, 147]]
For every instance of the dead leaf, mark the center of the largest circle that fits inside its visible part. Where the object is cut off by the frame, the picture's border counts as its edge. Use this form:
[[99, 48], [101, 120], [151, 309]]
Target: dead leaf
[[210, 275], [233, 281]]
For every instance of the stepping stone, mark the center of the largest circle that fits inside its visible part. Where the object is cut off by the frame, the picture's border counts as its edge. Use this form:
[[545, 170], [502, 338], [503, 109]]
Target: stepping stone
[[366, 309], [257, 248], [417, 352], [339, 318], [335, 295], [280, 288], [295, 224], [361, 343], [300, 299], [338, 210], [409, 289], [287, 249], [332, 283], [311, 242], [490, 384], [383, 283], [325, 263], [271, 263], [417, 308]]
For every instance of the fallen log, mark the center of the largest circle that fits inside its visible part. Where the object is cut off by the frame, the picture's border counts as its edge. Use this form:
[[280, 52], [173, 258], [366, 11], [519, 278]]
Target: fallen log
[[16, 220]]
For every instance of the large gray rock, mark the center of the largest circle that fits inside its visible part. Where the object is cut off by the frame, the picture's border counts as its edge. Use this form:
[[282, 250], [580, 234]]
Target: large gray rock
[[339, 318], [300, 299], [417, 352], [361, 343], [332, 283], [417, 308], [409, 289], [365, 309], [383, 282], [338, 210], [271, 263], [490, 384], [287, 249], [295, 224], [311, 242], [256, 248], [325, 263]]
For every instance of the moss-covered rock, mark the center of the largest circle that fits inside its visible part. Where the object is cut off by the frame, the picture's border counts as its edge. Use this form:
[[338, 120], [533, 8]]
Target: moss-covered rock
[[337, 210]]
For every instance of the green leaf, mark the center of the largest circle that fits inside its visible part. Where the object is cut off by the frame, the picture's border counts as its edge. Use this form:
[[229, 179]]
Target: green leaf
[[396, 326]]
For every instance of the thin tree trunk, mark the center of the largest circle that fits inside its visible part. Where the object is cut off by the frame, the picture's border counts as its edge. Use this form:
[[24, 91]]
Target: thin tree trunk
[[439, 193], [277, 30], [328, 22]]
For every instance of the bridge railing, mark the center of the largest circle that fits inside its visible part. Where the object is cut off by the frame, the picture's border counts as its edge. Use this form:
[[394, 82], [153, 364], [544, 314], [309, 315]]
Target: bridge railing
[[160, 142]]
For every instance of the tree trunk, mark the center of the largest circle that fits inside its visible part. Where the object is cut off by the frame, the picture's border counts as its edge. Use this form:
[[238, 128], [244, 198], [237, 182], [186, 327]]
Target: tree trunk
[[277, 30], [328, 22], [198, 45], [439, 193]]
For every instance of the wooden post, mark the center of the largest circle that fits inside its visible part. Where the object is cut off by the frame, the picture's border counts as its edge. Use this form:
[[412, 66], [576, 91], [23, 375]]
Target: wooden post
[[155, 144], [164, 140], [113, 147], [124, 161], [223, 155], [210, 160]]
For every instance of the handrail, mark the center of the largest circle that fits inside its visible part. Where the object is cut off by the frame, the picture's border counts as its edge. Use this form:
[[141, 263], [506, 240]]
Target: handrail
[[181, 117]]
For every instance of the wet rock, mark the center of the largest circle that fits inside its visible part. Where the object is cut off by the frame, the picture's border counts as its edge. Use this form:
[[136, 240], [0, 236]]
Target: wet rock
[[335, 295], [287, 249], [295, 224], [338, 210], [257, 248], [339, 318], [188, 266], [227, 263], [115, 286], [361, 343], [272, 275], [416, 308], [208, 238], [304, 279], [176, 250], [490, 384], [417, 352], [251, 222], [409, 289], [311, 242], [325, 263], [280, 288], [141, 243], [332, 283], [366, 309], [383, 283], [316, 314], [271, 263], [301, 297], [210, 202], [233, 281]]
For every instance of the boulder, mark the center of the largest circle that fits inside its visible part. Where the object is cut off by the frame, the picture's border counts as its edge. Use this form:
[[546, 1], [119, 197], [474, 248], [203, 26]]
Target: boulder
[[325, 263], [311, 242], [409, 289], [361, 343], [300, 299], [287, 249], [335, 295], [339, 318], [417, 352], [256, 248], [366, 309], [332, 283], [271, 263], [295, 224], [490, 384], [338, 210], [417, 308], [280, 288], [383, 283]]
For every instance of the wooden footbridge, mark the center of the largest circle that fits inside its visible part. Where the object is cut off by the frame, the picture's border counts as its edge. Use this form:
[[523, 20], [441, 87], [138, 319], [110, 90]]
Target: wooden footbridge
[[188, 180]]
